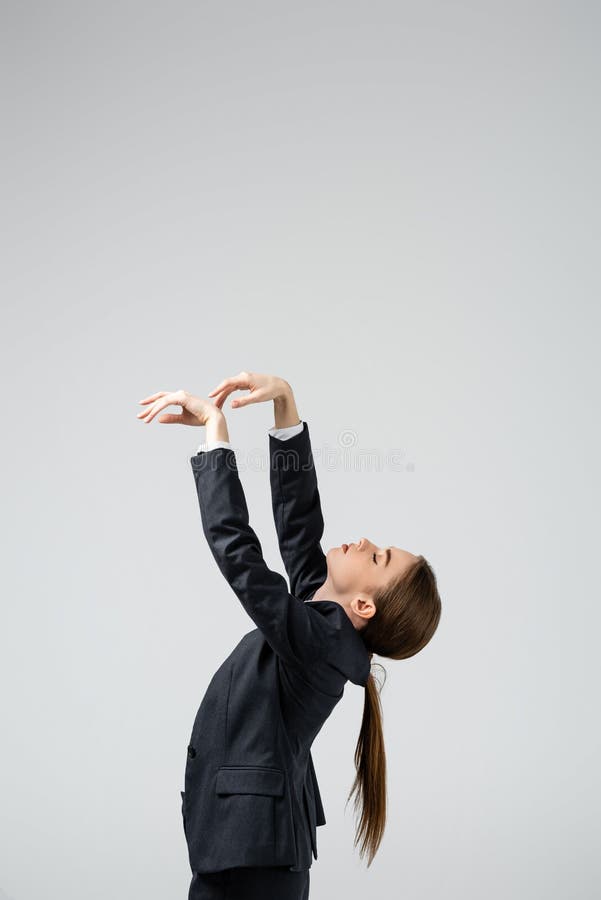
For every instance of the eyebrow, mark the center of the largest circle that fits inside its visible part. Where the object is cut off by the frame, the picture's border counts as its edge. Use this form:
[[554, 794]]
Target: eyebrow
[[388, 555]]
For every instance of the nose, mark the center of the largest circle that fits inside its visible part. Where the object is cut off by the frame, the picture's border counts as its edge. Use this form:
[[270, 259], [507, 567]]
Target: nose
[[361, 545]]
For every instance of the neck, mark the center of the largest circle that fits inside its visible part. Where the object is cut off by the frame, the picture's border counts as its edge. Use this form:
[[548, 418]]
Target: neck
[[328, 592]]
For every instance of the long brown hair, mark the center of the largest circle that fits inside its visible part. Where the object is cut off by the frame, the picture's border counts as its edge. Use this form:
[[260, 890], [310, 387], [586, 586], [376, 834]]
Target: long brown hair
[[407, 615]]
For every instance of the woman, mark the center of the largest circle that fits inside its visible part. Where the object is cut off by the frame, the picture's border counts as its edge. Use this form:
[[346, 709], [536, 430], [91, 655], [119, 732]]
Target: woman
[[251, 803]]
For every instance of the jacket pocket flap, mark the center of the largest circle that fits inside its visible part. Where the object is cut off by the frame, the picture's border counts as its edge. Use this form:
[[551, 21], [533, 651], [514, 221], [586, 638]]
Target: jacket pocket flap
[[249, 780]]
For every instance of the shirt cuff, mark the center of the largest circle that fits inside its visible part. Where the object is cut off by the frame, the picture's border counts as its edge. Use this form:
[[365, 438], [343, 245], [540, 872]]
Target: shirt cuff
[[210, 445], [283, 434]]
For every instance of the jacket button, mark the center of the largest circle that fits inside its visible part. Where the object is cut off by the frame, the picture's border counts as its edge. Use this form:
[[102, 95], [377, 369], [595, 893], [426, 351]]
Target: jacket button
[[191, 751]]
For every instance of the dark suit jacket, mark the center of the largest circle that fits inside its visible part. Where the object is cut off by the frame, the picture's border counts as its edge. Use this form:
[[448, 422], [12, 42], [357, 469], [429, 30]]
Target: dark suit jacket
[[251, 795]]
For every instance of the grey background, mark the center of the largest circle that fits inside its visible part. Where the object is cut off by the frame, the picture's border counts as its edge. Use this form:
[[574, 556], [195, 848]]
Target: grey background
[[395, 206]]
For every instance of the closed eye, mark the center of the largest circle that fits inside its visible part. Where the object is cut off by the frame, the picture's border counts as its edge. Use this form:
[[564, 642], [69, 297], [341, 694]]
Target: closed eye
[[373, 556]]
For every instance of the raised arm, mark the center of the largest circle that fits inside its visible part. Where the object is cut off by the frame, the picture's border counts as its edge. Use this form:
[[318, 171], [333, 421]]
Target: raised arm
[[296, 631], [295, 497], [296, 503]]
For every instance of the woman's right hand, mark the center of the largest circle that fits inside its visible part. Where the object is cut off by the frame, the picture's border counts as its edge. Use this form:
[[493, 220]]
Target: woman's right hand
[[195, 410], [261, 388]]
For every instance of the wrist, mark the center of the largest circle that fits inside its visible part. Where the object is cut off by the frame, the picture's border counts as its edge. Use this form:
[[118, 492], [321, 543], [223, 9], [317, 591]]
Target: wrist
[[284, 408], [216, 426], [283, 392]]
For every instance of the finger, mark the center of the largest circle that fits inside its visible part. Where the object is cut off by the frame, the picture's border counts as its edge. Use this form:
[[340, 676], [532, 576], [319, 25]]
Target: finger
[[183, 418], [224, 394], [220, 399], [153, 397], [148, 414], [217, 389], [144, 412], [254, 397], [160, 404], [235, 381], [227, 382], [172, 419]]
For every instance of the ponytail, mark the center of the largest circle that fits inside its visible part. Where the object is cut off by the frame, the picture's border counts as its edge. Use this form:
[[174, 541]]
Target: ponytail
[[369, 785], [407, 613]]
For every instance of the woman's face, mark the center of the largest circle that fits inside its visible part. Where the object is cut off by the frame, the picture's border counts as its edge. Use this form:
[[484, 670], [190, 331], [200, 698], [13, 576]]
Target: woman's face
[[364, 567]]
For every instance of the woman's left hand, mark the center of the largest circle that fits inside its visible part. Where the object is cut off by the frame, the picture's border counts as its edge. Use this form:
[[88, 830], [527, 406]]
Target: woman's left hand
[[195, 410], [261, 387]]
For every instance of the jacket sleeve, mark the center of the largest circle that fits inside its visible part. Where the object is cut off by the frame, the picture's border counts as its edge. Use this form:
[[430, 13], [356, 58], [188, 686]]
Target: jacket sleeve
[[296, 631], [297, 512]]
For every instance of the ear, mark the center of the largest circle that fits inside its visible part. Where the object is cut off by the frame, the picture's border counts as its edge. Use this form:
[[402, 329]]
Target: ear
[[363, 605]]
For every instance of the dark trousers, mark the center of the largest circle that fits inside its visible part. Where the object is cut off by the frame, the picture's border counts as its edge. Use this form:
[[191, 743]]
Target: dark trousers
[[250, 883]]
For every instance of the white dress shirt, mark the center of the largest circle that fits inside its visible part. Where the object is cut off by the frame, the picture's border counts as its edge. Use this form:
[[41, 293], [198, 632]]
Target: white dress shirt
[[281, 433]]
